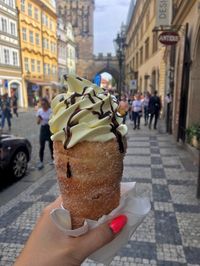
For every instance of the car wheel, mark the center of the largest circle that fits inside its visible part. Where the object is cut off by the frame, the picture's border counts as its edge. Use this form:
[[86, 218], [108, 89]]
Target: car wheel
[[19, 164]]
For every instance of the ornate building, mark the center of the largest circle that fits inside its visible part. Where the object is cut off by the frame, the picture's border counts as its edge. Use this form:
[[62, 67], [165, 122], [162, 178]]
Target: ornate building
[[66, 49], [38, 38], [10, 66], [145, 61], [80, 15]]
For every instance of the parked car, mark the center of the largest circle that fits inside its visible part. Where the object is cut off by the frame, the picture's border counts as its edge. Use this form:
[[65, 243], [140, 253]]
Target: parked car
[[15, 153]]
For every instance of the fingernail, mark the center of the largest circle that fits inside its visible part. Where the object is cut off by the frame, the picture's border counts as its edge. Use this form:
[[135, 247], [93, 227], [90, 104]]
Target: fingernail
[[117, 224]]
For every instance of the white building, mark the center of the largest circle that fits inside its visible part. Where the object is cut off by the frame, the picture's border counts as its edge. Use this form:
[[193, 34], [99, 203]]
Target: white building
[[62, 48], [66, 49], [10, 66], [71, 50]]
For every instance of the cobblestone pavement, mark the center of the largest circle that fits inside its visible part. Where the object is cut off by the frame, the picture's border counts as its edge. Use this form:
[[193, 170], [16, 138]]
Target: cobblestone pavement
[[169, 236]]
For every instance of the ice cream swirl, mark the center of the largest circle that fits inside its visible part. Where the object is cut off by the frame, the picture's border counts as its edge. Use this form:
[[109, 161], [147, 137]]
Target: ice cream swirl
[[85, 113]]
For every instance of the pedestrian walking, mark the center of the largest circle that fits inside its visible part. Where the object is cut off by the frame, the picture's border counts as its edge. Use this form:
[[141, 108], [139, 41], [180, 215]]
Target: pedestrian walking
[[137, 111], [146, 107], [43, 116], [6, 111], [154, 109], [123, 108], [14, 100], [130, 101]]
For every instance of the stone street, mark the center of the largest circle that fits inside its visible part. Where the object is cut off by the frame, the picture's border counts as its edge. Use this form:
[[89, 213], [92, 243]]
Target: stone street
[[169, 236]]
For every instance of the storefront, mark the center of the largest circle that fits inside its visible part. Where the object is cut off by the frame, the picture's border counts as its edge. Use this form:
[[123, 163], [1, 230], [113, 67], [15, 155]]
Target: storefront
[[186, 92], [37, 89], [10, 86]]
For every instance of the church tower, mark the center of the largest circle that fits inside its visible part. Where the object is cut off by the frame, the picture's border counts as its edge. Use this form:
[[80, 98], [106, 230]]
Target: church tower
[[80, 13]]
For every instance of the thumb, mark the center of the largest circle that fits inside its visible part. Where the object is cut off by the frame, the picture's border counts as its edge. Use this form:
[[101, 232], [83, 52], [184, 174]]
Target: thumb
[[100, 236]]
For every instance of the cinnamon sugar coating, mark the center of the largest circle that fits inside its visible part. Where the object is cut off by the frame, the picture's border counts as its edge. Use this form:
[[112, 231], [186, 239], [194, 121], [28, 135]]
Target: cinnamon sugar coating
[[89, 176]]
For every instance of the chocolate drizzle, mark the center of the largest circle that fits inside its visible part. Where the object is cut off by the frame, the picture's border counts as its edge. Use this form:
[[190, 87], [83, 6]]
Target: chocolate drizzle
[[69, 171], [65, 77], [118, 135], [90, 98], [61, 99], [101, 115], [70, 124]]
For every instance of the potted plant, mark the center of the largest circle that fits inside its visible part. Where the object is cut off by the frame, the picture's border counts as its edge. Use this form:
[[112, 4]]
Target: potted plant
[[193, 136]]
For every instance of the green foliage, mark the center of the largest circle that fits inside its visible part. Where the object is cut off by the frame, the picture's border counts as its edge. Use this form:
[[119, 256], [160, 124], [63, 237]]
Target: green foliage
[[193, 131]]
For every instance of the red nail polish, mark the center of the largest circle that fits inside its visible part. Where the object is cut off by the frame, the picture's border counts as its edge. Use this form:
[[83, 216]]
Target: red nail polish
[[118, 223]]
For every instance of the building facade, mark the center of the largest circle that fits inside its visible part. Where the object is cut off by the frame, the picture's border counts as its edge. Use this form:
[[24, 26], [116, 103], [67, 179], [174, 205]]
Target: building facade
[[62, 48], [71, 50], [145, 60], [80, 14], [10, 65], [185, 65], [38, 37]]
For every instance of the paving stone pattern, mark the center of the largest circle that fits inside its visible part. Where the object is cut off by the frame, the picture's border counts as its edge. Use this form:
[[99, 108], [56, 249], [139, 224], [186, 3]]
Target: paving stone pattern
[[169, 236]]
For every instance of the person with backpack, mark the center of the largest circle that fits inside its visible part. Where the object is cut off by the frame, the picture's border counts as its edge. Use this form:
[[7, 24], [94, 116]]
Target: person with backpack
[[154, 109]]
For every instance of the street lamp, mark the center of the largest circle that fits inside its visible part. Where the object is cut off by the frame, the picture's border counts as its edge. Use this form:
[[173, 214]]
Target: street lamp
[[120, 45]]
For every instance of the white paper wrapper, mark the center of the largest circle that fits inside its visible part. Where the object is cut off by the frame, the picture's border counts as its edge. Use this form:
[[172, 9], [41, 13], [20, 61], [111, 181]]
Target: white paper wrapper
[[133, 206]]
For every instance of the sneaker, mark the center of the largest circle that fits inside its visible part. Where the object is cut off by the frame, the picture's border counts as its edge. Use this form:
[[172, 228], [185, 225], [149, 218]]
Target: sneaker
[[52, 162], [40, 165]]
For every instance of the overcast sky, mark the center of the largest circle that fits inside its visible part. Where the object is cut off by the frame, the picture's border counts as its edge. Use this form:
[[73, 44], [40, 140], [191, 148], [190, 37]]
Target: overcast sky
[[108, 16]]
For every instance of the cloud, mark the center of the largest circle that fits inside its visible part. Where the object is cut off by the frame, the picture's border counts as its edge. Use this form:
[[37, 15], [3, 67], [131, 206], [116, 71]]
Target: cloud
[[108, 18], [100, 8], [123, 2]]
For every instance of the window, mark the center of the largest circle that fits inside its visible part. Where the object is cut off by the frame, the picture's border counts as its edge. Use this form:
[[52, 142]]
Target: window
[[147, 48], [11, 3], [141, 55], [47, 21], [31, 38], [141, 31], [43, 18], [38, 66], [36, 13], [15, 59], [23, 7], [47, 44], [44, 43], [49, 69], [155, 42], [24, 34], [32, 65], [51, 24], [45, 68], [26, 64], [133, 65], [13, 28], [53, 48], [54, 69], [30, 13], [4, 24], [6, 56], [147, 19], [37, 39], [137, 61]]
